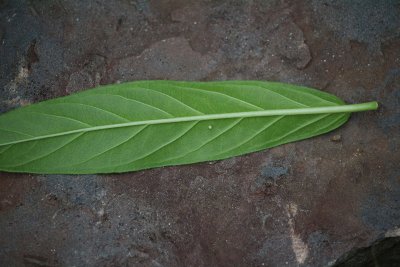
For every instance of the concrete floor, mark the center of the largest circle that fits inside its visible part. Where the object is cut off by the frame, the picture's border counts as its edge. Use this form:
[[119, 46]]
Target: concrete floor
[[300, 204]]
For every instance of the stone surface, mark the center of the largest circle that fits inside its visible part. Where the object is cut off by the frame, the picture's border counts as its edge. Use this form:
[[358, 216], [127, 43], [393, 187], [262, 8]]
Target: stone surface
[[172, 58], [308, 203]]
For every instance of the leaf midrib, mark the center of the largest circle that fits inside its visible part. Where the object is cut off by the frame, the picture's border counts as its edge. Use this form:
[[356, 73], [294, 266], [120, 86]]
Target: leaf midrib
[[247, 114]]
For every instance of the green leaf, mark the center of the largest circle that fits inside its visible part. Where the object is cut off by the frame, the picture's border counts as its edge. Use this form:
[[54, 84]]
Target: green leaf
[[146, 124]]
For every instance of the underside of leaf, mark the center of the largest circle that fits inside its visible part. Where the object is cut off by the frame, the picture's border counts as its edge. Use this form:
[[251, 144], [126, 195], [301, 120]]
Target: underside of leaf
[[146, 124]]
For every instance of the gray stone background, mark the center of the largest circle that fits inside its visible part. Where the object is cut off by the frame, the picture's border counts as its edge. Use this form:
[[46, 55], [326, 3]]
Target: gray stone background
[[301, 204]]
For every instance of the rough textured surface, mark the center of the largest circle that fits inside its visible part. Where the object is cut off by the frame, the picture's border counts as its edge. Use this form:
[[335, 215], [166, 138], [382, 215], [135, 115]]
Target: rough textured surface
[[301, 204]]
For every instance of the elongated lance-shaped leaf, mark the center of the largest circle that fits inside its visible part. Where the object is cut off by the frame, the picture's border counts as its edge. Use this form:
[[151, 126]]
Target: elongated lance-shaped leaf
[[146, 124]]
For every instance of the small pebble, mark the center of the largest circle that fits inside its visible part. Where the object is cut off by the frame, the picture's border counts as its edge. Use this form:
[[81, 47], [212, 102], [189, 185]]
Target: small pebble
[[336, 138]]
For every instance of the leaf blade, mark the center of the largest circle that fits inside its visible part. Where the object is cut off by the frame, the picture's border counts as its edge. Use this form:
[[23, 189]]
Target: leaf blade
[[148, 124]]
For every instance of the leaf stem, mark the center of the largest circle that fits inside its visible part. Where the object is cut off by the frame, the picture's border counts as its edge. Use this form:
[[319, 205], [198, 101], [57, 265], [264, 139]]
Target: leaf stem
[[263, 113]]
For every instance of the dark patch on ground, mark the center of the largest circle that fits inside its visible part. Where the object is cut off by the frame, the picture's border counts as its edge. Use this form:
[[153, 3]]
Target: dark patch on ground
[[300, 204], [385, 252]]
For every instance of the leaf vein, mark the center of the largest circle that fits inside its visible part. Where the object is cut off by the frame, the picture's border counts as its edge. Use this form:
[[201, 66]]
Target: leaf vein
[[5, 148], [301, 127], [315, 96], [162, 146], [91, 106], [138, 101], [51, 152], [281, 137], [222, 94], [58, 116], [254, 135], [186, 105], [276, 93], [111, 148], [17, 132], [207, 142]]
